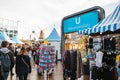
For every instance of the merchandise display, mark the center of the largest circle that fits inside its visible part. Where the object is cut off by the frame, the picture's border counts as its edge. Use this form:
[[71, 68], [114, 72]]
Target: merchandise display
[[47, 59]]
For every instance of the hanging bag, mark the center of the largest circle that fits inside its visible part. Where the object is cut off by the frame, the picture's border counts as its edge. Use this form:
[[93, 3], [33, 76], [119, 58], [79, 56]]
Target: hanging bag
[[26, 64]]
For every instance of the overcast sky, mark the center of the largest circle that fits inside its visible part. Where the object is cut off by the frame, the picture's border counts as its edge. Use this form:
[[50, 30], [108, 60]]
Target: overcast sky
[[44, 14]]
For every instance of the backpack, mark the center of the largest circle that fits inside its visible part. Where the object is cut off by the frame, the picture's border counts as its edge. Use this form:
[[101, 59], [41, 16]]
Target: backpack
[[5, 61]]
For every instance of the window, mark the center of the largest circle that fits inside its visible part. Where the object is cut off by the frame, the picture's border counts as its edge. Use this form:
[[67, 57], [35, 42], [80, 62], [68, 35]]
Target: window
[[6, 31], [11, 35], [11, 31], [15, 31]]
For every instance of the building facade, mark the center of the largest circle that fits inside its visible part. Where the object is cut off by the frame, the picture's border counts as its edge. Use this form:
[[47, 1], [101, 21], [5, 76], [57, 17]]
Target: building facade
[[9, 26]]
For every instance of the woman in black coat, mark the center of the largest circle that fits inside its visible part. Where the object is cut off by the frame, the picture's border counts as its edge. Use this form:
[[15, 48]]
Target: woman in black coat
[[23, 66]]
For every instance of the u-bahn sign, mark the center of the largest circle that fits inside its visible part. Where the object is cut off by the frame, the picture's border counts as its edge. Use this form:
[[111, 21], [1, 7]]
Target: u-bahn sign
[[80, 22]]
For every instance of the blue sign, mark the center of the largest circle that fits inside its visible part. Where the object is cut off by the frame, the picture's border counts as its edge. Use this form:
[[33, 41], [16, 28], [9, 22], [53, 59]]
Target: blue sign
[[80, 22]]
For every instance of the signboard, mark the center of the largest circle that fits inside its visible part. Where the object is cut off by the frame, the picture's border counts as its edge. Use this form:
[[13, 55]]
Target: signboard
[[80, 22]]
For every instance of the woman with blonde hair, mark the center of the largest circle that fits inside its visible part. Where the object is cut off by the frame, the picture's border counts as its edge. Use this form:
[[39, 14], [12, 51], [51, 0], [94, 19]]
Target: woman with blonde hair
[[23, 66]]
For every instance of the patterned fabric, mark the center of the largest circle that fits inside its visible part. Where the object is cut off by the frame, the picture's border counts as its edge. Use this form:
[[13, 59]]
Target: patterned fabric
[[47, 58]]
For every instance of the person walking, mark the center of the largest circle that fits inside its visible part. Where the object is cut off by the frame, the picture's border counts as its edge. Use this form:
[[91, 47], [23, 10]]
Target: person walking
[[11, 48], [34, 52], [4, 61], [17, 50], [23, 66]]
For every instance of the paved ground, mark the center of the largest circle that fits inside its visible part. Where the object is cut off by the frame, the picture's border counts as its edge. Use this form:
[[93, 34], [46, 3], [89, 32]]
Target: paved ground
[[57, 75]]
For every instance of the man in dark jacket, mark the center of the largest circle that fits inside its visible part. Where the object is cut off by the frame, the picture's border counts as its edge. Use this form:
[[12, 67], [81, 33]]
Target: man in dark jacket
[[11, 54]]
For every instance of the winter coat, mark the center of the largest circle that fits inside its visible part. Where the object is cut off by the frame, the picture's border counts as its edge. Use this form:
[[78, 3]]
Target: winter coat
[[21, 67]]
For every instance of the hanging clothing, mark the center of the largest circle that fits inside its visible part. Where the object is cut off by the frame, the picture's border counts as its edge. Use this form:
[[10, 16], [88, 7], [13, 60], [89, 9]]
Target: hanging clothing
[[67, 60], [90, 43], [109, 73], [109, 44], [79, 65], [109, 58], [118, 60], [96, 73], [72, 64], [46, 58], [67, 64], [118, 64], [97, 44], [99, 56]]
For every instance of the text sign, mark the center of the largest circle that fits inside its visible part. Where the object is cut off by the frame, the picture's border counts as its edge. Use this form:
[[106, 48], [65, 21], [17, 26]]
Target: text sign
[[80, 22]]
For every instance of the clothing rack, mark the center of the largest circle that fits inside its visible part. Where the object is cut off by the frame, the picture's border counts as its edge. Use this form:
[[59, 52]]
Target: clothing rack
[[108, 67], [70, 63]]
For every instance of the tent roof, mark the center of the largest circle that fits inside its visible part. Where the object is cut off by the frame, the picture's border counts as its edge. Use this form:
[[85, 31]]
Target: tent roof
[[54, 36], [110, 23], [16, 40], [3, 36]]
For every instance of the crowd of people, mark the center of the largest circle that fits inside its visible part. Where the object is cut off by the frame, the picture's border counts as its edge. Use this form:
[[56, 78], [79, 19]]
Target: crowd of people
[[16, 56]]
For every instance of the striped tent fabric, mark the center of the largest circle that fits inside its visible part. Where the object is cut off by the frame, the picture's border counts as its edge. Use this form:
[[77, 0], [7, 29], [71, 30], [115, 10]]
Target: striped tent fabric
[[89, 30], [83, 31], [110, 23]]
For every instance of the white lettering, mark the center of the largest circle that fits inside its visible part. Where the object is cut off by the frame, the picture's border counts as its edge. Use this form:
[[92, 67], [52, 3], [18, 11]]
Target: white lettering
[[85, 26], [77, 20]]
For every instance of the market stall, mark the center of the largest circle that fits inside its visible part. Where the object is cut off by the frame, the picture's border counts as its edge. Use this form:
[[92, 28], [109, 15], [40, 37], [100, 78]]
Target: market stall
[[105, 46], [55, 40]]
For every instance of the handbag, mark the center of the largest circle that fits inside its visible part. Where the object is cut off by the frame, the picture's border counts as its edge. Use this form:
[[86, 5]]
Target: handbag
[[26, 64]]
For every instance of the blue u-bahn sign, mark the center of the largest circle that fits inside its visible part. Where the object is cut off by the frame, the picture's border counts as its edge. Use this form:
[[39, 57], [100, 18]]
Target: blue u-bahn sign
[[80, 22]]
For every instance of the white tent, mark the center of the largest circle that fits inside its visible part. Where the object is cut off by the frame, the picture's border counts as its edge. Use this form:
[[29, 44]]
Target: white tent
[[17, 40], [3, 36], [55, 40]]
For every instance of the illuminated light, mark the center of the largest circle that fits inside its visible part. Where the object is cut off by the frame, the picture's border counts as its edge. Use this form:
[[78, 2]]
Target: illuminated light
[[100, 32]]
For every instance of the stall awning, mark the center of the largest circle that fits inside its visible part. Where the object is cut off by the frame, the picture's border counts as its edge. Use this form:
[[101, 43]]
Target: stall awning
[[110, 23]]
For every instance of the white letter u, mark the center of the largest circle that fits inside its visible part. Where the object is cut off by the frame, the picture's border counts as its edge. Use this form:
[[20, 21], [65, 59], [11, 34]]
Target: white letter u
[[77, 20]]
